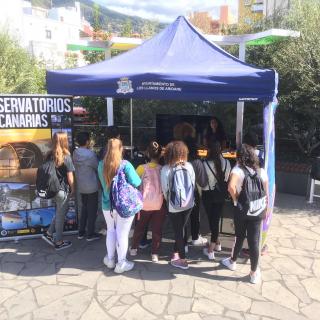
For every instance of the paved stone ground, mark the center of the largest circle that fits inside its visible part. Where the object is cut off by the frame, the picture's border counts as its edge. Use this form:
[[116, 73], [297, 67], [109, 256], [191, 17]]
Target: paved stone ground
[[38, 283]]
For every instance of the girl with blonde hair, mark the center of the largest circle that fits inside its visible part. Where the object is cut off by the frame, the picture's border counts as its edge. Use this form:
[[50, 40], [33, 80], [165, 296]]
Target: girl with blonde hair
[[118, 227], [64, 169]]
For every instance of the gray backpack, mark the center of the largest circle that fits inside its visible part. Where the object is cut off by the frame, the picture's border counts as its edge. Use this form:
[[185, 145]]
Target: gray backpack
[[181, 189]]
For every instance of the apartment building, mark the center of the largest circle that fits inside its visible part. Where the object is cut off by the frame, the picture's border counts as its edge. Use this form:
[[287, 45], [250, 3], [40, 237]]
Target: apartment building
[[251, 11], [44, 33]]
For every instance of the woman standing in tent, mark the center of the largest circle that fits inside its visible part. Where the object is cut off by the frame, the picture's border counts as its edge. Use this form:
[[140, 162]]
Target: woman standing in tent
[[215, 133]]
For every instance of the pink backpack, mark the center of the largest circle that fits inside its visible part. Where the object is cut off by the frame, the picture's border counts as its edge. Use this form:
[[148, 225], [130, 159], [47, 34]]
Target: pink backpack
[[151, 188]]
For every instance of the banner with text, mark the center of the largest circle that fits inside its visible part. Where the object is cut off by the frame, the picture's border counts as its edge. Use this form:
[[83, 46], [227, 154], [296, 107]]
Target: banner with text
[[27, 124]]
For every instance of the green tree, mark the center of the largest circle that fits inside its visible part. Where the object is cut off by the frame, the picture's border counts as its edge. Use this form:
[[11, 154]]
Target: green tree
[[297, 61], [298, 64], [148, 29], [19, 72], [127, 29]]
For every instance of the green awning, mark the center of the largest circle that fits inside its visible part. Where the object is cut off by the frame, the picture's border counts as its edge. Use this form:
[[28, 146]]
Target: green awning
[[264, 41], [77, 47]]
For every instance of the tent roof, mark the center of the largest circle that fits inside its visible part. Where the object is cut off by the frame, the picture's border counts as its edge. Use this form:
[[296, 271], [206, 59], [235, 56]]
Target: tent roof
[[177, 64]]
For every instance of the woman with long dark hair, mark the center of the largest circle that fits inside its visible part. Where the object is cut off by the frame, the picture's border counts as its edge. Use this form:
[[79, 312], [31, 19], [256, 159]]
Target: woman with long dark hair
[[201, 181], [214, 193], [118, 227], [65, 169], [215, 133], [245, 226]]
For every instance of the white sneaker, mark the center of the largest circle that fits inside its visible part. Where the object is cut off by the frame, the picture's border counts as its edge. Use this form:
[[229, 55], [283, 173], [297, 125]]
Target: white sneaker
[[201, 241], [218, 248], [109, 263], [210, 255], [186, 249], [255, 277], [103, 232], [124, 266], [155, 258], [227, 262], [133, 252]]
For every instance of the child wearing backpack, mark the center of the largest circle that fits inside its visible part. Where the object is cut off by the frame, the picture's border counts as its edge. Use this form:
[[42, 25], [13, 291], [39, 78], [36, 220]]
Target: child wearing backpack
[[178, 183], [154, 210], [86, 164], [214, 193], [248, 188], [120, 202], [63, 170]]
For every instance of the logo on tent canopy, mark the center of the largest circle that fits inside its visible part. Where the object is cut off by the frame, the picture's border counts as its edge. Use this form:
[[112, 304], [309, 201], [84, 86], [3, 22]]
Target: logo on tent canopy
[[124, 86]]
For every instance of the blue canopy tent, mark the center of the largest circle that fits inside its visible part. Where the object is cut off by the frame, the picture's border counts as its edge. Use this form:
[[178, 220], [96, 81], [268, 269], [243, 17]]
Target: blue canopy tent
[[177, 64]]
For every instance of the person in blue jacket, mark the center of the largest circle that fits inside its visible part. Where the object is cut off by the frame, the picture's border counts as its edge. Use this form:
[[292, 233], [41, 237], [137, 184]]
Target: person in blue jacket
[[118, 228]]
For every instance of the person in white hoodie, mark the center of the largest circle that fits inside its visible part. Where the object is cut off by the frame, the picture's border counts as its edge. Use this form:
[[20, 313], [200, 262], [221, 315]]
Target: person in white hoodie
[[86, 165]]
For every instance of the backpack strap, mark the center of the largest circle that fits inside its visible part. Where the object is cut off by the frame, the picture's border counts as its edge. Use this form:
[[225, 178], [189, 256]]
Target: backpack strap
[[224, 173]]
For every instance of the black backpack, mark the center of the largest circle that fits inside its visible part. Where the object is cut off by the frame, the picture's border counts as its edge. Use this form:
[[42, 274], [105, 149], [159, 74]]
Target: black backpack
[[252, 201], [220, 192], [48, 182]]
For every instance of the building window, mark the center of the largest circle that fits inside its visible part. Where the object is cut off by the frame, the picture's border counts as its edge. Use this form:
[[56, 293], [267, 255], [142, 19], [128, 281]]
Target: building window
[[48, 34]]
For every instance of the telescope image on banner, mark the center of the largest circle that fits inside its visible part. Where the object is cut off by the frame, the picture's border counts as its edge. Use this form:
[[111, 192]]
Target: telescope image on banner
[[27, 125]]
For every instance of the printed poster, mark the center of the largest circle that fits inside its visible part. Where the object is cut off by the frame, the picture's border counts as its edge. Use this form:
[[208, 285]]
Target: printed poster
[[27, 124]]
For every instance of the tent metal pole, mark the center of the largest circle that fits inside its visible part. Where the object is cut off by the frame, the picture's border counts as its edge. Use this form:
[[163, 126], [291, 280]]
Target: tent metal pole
[[239, 129], [131, 130], [240, 105], [110, 112]]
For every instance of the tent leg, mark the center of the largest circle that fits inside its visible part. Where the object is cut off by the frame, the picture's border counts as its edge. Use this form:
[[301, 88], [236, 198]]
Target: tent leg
[[131, 130], [239, 129], [110, 112]]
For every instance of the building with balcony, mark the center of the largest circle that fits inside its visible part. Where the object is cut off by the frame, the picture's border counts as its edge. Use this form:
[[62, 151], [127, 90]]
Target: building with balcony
[[251, 11], [45, 33]]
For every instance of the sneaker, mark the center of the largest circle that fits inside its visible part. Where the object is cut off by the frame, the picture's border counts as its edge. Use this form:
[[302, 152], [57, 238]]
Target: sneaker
[[217, 247], [145, 243], [201, 241], [93, 237], [180, 263], [227, 262], [133, 252], [80, 235], [255, 277], [109, 263], [186, 249], [48, 238], [124, 266], [210, 255], [63, 245], [175, 256], [103, 232], [155, 258]]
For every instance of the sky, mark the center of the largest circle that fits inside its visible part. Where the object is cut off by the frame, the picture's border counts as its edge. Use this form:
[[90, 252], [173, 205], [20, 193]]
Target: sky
[[166, 10]]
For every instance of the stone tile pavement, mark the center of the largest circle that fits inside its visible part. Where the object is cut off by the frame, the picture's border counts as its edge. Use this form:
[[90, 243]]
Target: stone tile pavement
[[38, 283]]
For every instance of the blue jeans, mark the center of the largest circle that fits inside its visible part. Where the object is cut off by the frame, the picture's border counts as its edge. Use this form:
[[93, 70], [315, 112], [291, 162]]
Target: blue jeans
[[57, 223]]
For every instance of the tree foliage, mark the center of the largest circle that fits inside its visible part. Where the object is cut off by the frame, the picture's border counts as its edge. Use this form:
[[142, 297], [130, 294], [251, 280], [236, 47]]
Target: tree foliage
[[19, 72], [297, 61], [127, 29]]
